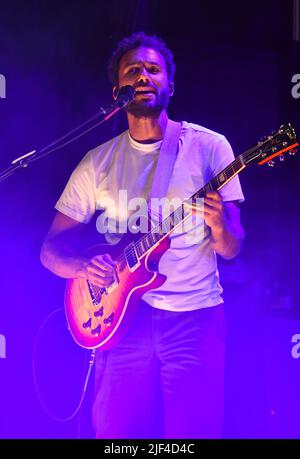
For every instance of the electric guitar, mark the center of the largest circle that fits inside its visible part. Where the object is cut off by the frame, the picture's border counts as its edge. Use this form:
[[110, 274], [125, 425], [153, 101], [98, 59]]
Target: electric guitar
[[100, 317]]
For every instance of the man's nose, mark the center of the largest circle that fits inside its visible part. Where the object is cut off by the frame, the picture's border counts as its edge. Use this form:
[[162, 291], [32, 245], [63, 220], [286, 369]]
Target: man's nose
[[144, 75]]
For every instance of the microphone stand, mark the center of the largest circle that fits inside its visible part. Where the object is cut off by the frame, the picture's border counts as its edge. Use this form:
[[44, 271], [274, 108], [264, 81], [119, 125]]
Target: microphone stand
[[23, 161]]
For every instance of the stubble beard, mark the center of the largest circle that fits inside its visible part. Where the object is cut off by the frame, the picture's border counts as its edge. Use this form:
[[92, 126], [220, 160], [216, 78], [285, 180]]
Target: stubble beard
[[144, 109]]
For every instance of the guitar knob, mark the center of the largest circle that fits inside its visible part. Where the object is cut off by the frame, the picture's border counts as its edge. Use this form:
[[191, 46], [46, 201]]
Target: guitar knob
[[96, 331], [99, 312], [108, 320], [271, 163], [292, 152], [87, 324]]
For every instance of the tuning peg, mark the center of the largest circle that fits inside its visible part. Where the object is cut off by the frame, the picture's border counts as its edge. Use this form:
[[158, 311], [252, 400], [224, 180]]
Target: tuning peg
[[271, 163], [281, 157]]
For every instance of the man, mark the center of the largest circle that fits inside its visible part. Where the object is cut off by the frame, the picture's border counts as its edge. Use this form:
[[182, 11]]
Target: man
[[165, 379]]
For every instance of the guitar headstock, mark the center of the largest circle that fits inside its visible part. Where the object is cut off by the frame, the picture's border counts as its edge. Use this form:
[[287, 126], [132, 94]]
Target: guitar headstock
[[276, 144]]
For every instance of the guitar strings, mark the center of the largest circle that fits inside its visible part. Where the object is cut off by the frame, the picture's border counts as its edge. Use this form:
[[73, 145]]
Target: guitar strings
[[158, 227], [157, 230]]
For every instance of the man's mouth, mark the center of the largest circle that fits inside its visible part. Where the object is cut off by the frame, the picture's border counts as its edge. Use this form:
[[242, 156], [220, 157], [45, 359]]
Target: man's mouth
[[144, 91]]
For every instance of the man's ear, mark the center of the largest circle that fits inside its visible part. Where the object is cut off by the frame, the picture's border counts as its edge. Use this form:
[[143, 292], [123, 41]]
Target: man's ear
[[115, 90], [171, 88]]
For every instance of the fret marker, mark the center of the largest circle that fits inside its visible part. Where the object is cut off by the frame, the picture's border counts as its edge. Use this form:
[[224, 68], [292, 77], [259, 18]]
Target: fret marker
[[221, 177]]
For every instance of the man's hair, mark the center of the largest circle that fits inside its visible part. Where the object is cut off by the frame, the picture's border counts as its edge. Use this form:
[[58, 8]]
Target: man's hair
[[135, 41]]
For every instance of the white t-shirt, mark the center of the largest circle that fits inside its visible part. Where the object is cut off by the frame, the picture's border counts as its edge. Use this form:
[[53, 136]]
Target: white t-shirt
[[123, 169]]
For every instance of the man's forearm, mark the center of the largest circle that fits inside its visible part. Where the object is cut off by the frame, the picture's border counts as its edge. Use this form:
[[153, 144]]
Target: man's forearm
[[227, 241], [61, 261]]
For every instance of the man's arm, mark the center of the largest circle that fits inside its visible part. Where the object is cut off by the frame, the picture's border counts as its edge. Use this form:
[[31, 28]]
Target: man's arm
[[223, 218], [60, 254]]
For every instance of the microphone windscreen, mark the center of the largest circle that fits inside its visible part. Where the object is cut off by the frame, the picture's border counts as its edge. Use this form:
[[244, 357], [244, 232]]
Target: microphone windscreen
[[125, 95]]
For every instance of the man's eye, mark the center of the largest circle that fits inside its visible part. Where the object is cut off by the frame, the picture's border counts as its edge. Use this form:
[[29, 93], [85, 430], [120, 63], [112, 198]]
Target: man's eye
[[154, 69], [133, 70]]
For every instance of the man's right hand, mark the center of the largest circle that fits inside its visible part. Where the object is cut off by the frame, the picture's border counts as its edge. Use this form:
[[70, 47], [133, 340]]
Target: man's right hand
[[61, 255], [99, 270]]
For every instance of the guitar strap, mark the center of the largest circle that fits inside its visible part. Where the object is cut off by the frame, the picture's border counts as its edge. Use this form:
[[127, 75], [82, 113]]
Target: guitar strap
[[166, 160]]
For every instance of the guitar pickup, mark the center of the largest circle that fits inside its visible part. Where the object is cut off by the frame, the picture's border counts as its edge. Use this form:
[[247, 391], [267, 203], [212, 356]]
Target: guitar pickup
[[131, 256]]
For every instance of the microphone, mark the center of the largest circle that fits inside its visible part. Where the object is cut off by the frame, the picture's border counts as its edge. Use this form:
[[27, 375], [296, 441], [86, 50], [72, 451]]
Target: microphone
[[124, 95]]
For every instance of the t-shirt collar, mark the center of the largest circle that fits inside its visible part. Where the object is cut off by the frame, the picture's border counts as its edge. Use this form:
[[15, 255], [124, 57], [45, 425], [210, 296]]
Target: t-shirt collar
[[146, 147]]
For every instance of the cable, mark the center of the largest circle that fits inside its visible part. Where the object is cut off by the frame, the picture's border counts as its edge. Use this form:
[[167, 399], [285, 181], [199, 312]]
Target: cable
[[91, 363]]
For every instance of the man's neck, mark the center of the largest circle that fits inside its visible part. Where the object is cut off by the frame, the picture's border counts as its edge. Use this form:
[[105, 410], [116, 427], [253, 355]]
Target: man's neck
[[147, 130]]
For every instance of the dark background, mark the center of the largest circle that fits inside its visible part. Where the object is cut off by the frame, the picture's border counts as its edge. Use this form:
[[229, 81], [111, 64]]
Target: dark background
[[235, 63]]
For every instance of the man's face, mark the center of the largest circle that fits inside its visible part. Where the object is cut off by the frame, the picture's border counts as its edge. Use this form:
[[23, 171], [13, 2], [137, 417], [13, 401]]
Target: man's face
[[145, 70]]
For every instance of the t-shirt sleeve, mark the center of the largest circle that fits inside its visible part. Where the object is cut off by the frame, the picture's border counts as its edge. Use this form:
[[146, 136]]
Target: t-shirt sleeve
[[222, 156], [78, 197]]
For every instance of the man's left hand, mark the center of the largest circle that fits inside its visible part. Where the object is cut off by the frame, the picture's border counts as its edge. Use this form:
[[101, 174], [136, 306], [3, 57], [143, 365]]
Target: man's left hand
[[214, 212]]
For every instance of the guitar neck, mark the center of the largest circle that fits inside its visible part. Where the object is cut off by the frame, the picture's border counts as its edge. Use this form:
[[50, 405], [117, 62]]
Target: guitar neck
[[222, 177], [142, 246]]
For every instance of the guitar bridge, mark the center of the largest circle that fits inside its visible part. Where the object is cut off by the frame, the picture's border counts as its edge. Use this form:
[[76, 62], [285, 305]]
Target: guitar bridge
[[93, 296]]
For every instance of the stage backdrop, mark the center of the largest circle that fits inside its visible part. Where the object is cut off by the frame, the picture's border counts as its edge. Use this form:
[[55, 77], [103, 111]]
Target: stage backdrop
[[236, 75]]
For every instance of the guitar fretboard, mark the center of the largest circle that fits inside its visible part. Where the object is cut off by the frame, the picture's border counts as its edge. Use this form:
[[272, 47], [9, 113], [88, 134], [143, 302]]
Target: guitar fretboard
[[139, 248]]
